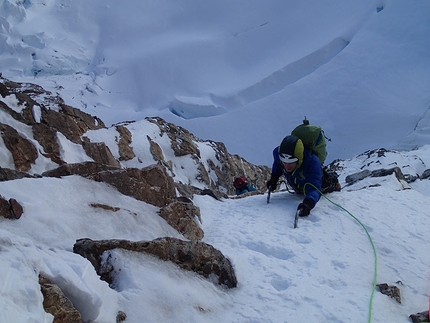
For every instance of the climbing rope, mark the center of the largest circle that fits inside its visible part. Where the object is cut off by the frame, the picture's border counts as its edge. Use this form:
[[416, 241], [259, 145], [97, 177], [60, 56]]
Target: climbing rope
[[375, 269]]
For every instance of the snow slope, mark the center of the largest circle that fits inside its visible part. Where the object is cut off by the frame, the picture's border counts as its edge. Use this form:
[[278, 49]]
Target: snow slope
[[322, 271], [244, 73]]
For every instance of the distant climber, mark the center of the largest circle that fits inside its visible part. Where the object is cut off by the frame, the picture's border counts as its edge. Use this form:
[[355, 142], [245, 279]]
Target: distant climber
[[241, 185]]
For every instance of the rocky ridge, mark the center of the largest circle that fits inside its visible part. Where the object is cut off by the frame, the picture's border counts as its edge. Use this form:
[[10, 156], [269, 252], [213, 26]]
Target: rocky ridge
[[146, 160], [143, 160]]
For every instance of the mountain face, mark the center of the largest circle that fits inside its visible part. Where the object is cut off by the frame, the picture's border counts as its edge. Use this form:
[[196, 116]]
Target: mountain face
[[152, 161], [40, 131]]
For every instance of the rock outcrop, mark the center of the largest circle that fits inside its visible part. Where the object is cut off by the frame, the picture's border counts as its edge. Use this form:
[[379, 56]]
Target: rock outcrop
[[57, 304], [421, 317], [10, 209], [7, 174], [224, 166], [44, 126], [48, 116], [185, 217], [51, 119], [23, 152], [379, 163], [198, 257]]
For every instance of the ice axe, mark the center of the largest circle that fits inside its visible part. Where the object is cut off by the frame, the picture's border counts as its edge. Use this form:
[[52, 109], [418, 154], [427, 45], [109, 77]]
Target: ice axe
[[296, 218]]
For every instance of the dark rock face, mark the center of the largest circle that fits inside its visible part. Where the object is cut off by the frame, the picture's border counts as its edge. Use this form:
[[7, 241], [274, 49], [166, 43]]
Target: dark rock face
[[390, 290], [23, 152], [385, 172], [199, 257], [10, 209], [183, 216], [84, 169], [15, 208], [49, 116], [150, 184], [125, 139], [421, 317], [121, 317], [353, 178], [156, 151], [47, 137], [99, 152], [69, 121], [184, 143], [7, 174], [70, 126], [425, 174], [5, 208], [57, 304]]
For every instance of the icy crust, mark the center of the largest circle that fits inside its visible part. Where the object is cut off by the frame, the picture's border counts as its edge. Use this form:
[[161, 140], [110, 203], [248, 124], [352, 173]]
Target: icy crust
[[190, 108], [198, 107]]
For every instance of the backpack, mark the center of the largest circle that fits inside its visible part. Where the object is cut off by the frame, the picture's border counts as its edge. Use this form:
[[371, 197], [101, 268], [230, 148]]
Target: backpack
[[330, 182], [239, 182], [313, 138]]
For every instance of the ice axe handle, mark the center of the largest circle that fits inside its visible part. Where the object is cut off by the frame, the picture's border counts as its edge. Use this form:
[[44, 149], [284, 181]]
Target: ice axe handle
[[296, 218]]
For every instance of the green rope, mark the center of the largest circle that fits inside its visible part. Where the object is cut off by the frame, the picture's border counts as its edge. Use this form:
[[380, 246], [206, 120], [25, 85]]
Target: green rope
[[375, 274]]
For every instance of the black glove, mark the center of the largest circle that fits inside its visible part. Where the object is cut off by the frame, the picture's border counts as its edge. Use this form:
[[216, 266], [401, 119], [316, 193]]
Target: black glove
[[305, 207], [271, 183]]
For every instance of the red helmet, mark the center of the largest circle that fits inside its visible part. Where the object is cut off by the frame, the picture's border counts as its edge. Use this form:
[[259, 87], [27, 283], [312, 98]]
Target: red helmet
[[239, 182]]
